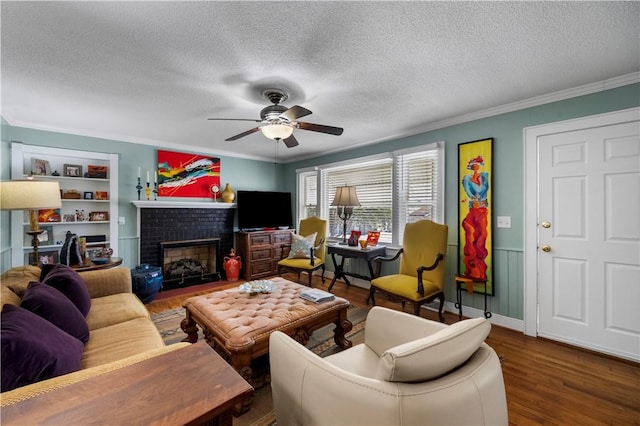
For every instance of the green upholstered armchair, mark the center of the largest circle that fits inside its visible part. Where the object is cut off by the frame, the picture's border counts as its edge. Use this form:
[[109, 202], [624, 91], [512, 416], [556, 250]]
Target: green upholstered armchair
[[421, 275], [315, 258]]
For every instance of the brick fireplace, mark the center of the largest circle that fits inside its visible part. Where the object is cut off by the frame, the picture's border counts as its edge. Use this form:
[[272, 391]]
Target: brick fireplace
[[197, 234]]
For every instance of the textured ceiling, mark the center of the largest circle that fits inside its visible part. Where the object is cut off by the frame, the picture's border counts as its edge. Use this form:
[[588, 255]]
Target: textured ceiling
[[153, 72]]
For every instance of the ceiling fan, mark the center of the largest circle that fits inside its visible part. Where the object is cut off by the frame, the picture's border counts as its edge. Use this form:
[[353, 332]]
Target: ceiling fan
[[277, 121]]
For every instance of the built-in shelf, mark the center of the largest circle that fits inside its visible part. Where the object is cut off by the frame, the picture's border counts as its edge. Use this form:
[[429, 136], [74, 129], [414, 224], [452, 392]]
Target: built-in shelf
[[163, 204]]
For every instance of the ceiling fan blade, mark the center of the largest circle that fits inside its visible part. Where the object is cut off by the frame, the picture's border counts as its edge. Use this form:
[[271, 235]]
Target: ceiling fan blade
[[243, 134], [320, 128], [235, 119], [295, 112], [291, 141]]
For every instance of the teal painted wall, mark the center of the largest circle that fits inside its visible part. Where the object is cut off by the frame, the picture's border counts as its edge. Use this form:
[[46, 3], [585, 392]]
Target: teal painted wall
[[508, 178]]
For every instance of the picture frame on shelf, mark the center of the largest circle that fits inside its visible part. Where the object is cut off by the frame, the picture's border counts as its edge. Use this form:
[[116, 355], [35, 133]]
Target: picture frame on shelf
[[98, 216], [40, 167], [69, 218], [88, 195], [102, 195], [46, 237], [72, 170], [49, 215]]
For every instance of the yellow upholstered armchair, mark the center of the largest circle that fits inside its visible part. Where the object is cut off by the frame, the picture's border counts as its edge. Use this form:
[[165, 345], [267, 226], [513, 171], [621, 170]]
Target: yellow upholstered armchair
[[307, 250], [421, 275]]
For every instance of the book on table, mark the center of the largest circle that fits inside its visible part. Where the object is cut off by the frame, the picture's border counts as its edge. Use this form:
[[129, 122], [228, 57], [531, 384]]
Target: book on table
[[315, 295]]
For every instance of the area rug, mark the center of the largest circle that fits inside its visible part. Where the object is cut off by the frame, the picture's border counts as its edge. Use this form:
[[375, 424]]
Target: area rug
[[321, 343]]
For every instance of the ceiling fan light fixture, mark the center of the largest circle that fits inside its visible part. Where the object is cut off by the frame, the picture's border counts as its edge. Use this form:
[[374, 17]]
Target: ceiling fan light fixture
[[277, 131]]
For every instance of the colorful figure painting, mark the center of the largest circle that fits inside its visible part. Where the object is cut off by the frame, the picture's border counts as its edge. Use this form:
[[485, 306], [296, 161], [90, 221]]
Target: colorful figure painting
[[187, 175], [475, 207]]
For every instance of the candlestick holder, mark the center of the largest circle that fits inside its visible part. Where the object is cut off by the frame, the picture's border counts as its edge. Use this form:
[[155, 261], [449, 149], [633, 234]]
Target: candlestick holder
[[139, 188], [148, 191], [155, 191]]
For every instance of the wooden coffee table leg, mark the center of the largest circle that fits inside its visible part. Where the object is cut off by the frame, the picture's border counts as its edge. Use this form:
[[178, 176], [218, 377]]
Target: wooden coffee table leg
[[189, 326], [241, 362], [343, 325]]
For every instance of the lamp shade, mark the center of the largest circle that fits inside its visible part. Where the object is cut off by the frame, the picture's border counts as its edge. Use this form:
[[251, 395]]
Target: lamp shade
[[277, 131], [346, 196], [29, 195]]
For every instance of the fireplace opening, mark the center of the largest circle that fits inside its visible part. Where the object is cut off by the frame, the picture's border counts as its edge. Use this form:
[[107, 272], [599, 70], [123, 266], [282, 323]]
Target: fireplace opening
[[189, 262]]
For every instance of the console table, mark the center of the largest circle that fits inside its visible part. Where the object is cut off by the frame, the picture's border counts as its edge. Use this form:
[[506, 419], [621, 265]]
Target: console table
[[191, 385], [354, 252]]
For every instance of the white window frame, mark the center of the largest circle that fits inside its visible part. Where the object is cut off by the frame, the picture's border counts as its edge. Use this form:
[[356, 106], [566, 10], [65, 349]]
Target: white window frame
[[398, 185]]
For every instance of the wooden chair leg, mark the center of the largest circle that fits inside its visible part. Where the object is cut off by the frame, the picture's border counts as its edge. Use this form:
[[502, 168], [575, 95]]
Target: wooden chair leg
[[416, 309], [323, 269], [440, 314], [310, 273], [371, 297]]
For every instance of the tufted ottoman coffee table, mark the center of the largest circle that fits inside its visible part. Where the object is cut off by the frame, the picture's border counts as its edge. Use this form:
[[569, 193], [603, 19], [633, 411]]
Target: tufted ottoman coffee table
[[240, 324]]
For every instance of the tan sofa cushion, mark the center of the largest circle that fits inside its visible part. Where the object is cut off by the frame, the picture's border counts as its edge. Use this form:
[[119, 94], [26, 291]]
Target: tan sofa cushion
[[8, 296], [434, 355], [114, 309], [119, 341], [18, 278]]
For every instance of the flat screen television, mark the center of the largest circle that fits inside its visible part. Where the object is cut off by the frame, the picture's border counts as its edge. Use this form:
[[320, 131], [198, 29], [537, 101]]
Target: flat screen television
[[259, 210]]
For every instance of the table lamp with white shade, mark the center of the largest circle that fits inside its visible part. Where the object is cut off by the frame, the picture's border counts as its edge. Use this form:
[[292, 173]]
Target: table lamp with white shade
[[30, 195], [345, 199]]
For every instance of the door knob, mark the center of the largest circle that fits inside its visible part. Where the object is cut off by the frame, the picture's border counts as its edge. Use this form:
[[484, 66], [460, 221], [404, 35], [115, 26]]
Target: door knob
[[546, 225], [546, 248]]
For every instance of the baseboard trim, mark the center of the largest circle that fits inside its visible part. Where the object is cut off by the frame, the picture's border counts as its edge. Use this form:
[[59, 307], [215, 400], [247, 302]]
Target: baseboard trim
[[467, 311]]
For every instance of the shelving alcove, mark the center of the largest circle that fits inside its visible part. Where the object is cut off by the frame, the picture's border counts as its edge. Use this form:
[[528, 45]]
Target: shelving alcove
[[21, 168]]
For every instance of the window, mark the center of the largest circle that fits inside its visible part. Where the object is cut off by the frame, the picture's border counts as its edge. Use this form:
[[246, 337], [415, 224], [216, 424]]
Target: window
[[393, 189]]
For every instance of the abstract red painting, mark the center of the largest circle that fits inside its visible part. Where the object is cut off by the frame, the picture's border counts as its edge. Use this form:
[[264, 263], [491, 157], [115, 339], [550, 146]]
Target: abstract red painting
[[187, 175]]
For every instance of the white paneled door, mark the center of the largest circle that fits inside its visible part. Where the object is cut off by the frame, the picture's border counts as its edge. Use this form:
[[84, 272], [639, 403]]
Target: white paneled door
[[588, 237]]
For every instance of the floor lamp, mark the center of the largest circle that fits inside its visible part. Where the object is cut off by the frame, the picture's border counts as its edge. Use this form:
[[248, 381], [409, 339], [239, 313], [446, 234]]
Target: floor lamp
[[345, 199], [30, 195]]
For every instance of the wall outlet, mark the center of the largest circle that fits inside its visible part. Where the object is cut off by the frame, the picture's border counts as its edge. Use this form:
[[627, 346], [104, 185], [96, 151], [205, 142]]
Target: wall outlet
[[503, 222], [121, 220], [347, 263]]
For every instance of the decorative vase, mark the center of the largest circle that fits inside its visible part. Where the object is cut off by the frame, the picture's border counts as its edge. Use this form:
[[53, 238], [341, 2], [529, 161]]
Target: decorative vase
[[232, 265], [228, 195]]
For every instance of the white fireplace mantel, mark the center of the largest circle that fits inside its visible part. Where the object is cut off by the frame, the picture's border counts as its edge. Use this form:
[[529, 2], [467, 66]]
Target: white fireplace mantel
[[162, 204]]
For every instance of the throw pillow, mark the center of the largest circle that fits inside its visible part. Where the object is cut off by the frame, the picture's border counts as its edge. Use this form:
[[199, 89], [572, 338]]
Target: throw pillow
[[434, 355], [33, 349], [67, 281], [301, 246], [50, 304]]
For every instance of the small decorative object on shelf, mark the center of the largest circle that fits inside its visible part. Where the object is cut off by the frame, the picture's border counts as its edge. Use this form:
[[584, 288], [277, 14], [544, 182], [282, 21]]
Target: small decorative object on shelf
[[71, 194], [99, 172], [80, 216], [232, 265], [228, 195], [215, 190], [102, 195], [139, 187], [155, 191]]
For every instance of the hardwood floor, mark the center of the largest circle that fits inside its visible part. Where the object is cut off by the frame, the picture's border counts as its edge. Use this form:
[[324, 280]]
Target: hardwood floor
[[546, 382]]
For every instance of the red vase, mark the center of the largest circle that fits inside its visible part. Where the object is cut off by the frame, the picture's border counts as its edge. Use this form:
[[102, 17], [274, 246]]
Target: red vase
[[232, 265]]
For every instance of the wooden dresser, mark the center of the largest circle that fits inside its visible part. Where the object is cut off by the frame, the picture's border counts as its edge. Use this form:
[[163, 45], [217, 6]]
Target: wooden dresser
[[261, 251]]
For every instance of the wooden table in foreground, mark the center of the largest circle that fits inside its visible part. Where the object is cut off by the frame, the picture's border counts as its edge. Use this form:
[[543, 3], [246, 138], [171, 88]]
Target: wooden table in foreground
[[192, 385]]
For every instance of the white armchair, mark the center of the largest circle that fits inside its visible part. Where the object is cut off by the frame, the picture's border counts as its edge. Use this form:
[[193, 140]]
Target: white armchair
[[408, 371]]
